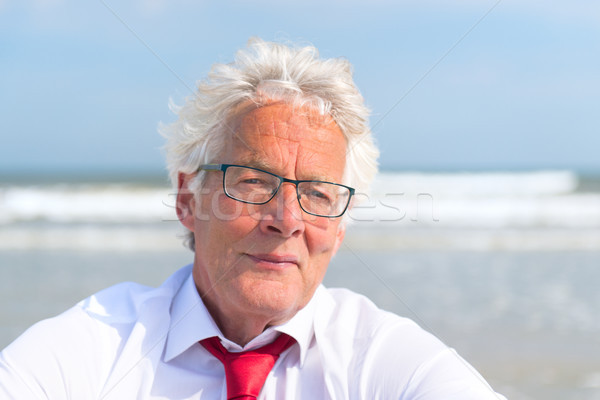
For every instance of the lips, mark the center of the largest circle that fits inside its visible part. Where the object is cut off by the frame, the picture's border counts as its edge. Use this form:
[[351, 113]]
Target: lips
[[275, 260]]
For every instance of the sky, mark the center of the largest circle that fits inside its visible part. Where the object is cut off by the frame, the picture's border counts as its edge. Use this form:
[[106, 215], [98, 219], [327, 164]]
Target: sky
[[453, 85]]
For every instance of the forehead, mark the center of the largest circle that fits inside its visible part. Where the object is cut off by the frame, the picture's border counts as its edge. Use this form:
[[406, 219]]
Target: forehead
[[281, 137]]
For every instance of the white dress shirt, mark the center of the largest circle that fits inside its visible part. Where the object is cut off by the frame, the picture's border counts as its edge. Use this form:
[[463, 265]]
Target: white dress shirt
[[135, 342]]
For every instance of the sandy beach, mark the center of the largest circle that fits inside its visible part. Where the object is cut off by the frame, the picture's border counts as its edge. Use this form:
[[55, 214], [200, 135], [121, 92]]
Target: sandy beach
[[517, 297]]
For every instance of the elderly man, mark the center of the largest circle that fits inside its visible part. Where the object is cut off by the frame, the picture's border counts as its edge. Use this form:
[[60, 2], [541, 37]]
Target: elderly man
[[266, 158]]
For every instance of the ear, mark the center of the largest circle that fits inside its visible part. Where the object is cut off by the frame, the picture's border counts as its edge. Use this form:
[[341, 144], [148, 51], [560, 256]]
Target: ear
[[185, 205], [339, 237]]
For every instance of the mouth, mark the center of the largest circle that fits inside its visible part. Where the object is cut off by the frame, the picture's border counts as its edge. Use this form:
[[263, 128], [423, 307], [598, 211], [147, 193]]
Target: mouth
[[274, 261]]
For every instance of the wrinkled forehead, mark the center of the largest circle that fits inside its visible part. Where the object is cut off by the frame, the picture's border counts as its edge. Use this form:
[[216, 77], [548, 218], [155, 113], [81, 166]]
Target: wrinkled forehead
[[278, 112], [284, 120], [269, 134]]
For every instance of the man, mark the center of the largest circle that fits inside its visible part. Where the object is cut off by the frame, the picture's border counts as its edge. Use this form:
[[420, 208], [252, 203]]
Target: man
[[266, 158]]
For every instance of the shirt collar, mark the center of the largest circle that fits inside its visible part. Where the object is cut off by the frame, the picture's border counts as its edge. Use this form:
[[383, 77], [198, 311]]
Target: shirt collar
[[301, 326], [191, 322]]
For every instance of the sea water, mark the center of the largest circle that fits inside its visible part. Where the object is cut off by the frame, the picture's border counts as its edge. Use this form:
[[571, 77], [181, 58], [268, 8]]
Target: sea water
[[504, 267]]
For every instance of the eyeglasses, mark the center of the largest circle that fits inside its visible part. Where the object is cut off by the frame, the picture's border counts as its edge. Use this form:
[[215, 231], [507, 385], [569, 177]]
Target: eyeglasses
[[255, 186]]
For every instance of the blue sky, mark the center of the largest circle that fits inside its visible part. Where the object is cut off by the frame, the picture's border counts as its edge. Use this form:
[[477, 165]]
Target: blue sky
[[449, 90]]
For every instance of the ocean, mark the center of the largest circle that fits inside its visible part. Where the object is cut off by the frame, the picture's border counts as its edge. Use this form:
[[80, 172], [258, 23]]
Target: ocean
[[502, 266]]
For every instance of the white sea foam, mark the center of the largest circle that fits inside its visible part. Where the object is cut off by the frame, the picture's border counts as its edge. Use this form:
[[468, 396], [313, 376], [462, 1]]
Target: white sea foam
[[403, 200], [484, 184], [86, 203], [483, 200]]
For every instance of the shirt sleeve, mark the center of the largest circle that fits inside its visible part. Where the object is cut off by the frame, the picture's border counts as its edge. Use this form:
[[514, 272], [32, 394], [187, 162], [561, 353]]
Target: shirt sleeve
[[29, 369], [54, 359], [405, 362], [448, 376], [378, 355], [14, 384]]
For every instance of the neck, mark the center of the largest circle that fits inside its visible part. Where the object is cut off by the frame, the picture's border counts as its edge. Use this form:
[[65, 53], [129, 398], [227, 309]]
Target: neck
[[240, 327], [242, 333], [240, 317]]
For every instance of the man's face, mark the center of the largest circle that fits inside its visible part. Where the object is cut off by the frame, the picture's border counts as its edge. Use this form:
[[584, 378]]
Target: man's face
[[266, 261]]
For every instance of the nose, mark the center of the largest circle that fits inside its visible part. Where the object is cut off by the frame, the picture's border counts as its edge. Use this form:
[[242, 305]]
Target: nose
[[283, 215]]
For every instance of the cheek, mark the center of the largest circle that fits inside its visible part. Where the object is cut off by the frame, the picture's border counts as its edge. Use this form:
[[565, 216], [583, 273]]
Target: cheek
[[321, 238], [223, 232], [217, 206]]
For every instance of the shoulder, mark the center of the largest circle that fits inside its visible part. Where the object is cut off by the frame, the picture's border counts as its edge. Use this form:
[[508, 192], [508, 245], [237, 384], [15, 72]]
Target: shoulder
[[385, 355], [77, 349], [111, 311], [100, 316], [126, 301], [345, 310]]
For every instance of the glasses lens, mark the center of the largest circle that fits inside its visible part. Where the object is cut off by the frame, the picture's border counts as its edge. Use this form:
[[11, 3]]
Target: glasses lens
[[323, 198], [250, 185]]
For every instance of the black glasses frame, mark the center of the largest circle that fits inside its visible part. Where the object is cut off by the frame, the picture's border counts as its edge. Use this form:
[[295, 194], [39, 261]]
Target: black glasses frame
[[282, 180]]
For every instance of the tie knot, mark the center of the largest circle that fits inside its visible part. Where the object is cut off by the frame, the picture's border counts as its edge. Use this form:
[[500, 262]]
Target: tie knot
[[246, 371]]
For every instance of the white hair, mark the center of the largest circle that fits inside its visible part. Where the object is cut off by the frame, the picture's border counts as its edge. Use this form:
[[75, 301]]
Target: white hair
[[265, 72]]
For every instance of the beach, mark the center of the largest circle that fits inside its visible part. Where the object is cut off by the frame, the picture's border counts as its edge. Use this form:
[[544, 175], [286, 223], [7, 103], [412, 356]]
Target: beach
[[502, 270]]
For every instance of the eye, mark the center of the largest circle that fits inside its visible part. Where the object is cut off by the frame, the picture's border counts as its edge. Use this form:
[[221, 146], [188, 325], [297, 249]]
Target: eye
[[319, 196], [248, 180], [253, 181], [250, 177]]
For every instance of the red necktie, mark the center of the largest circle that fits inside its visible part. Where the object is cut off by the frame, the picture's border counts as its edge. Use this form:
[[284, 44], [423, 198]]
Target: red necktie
[[246, 372]]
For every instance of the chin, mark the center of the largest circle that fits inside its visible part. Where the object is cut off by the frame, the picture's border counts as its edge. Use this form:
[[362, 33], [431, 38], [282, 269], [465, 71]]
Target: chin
[[274, 298]]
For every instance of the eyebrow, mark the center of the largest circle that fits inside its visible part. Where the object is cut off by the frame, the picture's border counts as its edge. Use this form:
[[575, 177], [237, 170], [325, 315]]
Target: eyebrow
[[262, 164], [256, 163]]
